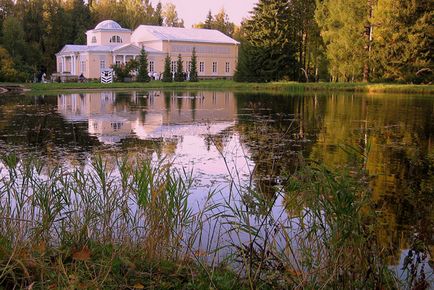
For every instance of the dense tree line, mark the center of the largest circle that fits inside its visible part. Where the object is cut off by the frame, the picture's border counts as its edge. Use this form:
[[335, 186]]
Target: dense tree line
[[32, 31], [353, 40]]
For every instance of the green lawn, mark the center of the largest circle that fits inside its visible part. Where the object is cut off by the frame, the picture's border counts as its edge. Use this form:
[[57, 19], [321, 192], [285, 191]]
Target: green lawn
[[231, 85]]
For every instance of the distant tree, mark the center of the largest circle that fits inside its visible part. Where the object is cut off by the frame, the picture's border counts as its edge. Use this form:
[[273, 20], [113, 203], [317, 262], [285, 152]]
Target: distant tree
[[179, 75], [171, 16], [79, 16], [167, 74], [219, 22], [142, 72], [208, 21], [193, 67], [7, 71], [6, 9], [158, 15], [14, 38]]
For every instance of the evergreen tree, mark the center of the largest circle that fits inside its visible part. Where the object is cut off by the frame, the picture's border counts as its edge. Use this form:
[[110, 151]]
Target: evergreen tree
[[403, 40], [208, 21], [167, 74], [269, 51], [158, 15], [142, 74], [179, 75], [193, 68]]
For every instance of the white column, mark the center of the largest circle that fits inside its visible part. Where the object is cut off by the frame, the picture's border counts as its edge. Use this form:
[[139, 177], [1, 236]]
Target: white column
[[73, 64], [63, 64], [124, 58], [114, 59]]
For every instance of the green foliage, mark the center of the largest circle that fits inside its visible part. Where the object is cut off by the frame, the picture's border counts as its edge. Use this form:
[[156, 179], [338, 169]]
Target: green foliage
[[219, 22], [343, 30], [14, 38], [193, 68], [269, 52], [124, 71], [142, 72], [8, 73], [403, 40], [179, 74], [170, 16], [167, 73]]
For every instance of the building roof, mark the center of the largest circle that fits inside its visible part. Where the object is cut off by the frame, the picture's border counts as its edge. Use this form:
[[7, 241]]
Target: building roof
[[73, 48], [185, 34], [110, 25]]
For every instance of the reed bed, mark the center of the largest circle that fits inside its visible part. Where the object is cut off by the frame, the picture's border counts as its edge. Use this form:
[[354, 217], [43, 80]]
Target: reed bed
[[129, 224]]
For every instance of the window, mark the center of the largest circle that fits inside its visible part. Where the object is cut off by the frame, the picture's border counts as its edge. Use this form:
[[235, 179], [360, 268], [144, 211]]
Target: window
[[173, 66], [116, 125], [188, 66], [227, 69], [151, 66], [83, 66], [214, 67], [94, 39], [102, 64], [201, 67], [116, 39]]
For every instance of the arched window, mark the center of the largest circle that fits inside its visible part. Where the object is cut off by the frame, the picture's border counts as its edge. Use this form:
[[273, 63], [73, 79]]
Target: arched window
[[94, 39], [116, 39]]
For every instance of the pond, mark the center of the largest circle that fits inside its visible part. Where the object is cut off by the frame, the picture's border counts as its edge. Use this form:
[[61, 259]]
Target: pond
[[252, 137]]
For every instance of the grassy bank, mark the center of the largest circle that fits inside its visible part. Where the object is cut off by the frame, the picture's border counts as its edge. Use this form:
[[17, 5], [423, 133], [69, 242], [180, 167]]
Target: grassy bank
[[231, 85], [128, 224]]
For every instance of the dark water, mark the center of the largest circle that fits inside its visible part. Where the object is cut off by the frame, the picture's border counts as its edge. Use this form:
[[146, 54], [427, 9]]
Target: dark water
[[242, 135]]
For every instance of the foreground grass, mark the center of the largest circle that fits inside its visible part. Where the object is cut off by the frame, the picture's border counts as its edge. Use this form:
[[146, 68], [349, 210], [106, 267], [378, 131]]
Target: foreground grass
[[128, 224], [231, 85]]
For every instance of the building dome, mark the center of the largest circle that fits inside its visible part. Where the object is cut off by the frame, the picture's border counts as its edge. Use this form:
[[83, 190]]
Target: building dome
[[109, 24]]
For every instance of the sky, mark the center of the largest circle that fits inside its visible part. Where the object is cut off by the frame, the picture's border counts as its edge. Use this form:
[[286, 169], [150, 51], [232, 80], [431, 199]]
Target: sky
[[195, 11]]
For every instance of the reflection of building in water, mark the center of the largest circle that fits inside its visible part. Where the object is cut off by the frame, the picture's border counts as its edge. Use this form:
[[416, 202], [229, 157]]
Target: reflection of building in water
[[148, 115]]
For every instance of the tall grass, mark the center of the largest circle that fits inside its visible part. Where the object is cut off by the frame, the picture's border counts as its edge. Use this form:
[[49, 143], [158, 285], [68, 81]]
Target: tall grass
[[129, 224]]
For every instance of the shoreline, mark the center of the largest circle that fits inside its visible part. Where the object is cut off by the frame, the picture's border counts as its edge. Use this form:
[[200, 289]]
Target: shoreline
[[225, 85]]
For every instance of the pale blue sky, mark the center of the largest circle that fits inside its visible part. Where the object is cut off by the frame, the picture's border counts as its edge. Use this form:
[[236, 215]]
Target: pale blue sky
[[195, 11]]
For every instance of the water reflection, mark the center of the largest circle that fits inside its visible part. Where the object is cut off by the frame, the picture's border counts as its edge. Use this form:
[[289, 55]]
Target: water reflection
[[112, 117], [246, 135]]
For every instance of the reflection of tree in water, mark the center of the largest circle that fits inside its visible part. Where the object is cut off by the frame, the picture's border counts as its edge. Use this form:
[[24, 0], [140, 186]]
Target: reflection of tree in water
[[276, 129], [32, 125], [396, 133]]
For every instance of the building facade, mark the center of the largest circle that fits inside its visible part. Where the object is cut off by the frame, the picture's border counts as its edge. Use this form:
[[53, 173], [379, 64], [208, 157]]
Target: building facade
[[109, 44]]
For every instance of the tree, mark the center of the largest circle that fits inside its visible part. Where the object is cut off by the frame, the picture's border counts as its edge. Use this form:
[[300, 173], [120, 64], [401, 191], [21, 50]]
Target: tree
[[7, 71], [193, 67], [167, 74], [208, 21], [219, 22], [269, 51], [179, 75], [403, 40], [343, 26], [124, 71], [158, 15], [142, 74], [171, 16], [14, 38]]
